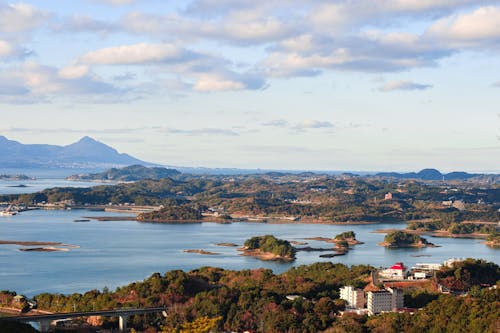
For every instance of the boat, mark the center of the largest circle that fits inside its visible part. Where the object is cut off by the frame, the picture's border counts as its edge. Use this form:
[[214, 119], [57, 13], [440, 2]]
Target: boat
[[9, 211]]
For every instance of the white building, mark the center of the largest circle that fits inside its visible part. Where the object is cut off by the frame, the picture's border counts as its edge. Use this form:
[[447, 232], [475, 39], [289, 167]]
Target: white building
[[451, 261], [385, 300], [395, 272], [427, 267], [355, 297]]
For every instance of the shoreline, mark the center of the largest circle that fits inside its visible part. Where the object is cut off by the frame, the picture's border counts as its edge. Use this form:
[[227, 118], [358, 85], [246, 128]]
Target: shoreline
[[40, 246], [200, 251], [400, 246], [436, 234], [264, 256]]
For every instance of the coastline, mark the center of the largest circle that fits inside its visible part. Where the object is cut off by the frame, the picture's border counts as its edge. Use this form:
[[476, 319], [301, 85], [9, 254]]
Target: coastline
[[399, 246], [40, 246], [437, 233], [264, 256]]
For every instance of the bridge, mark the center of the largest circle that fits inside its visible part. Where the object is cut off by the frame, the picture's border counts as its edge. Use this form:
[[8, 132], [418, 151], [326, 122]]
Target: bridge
[[45, 320]]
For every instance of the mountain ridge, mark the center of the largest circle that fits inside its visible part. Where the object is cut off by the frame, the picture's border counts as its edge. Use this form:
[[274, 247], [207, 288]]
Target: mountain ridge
[[86, 152]]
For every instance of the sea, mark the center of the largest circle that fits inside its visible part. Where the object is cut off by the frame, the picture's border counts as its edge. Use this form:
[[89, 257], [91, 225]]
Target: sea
[[115, 253]]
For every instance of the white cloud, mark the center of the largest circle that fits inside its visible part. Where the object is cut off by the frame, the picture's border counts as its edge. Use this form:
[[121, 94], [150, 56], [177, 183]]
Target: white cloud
[[276, 123], [211, 82], [246, 27], [20, 17], [141, 53], [6, 48], [73, 72], [482, 26], [84, 23], [403, 85], [34, 82], [312, 124]]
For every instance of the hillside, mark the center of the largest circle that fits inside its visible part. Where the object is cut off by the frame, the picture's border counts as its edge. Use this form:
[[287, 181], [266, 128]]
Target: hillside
[[130, 173], [436, 175]]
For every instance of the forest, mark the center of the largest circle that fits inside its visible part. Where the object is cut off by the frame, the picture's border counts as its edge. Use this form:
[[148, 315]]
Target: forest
[[304, 198], [256, 300]]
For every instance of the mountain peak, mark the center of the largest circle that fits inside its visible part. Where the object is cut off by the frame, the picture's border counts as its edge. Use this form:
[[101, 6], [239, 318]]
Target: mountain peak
[[87, 139], [86, 151]]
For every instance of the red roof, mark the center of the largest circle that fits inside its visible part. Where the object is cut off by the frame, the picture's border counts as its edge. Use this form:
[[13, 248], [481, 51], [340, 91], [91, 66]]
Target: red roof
[[398, 265]]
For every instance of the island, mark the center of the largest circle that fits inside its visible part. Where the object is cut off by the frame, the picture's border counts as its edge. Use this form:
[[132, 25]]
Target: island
[[342, 242], [41, 246], [201, 252], [227, 244], [347, 236], [127, 174], [268, 248], [15, 177], [399, 238]]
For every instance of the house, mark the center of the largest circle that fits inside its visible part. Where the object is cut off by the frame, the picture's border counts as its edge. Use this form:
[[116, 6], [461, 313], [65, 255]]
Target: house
[[388, 196], [395, 272]]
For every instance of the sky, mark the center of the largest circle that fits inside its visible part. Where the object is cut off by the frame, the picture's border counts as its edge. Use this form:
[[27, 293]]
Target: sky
[[364, 85]]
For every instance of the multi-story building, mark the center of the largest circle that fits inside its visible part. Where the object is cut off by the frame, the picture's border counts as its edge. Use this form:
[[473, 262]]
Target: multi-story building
[[379, 301], [385, 300], [355, 297], [397, 298]]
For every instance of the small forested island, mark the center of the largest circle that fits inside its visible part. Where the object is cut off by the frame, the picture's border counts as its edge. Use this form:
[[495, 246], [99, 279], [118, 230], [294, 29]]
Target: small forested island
[[347, 236], [269, 247], [342, 242], [396, 239], [127, 174]]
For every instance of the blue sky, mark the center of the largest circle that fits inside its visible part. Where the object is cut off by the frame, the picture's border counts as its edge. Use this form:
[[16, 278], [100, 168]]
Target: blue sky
[[319, 85]]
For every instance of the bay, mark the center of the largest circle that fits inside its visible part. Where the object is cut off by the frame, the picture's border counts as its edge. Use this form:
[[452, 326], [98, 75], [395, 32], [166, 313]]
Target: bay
[[36, 185], [113, 254]]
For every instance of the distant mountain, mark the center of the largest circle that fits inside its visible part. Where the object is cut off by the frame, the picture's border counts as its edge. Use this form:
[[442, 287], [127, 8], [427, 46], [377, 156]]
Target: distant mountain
[[129, 173], [87, 152], [430, 174]]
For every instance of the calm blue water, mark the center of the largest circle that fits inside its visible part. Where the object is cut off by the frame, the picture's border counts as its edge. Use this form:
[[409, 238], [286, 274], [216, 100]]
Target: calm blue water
[[116, 253], [32, 186]]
